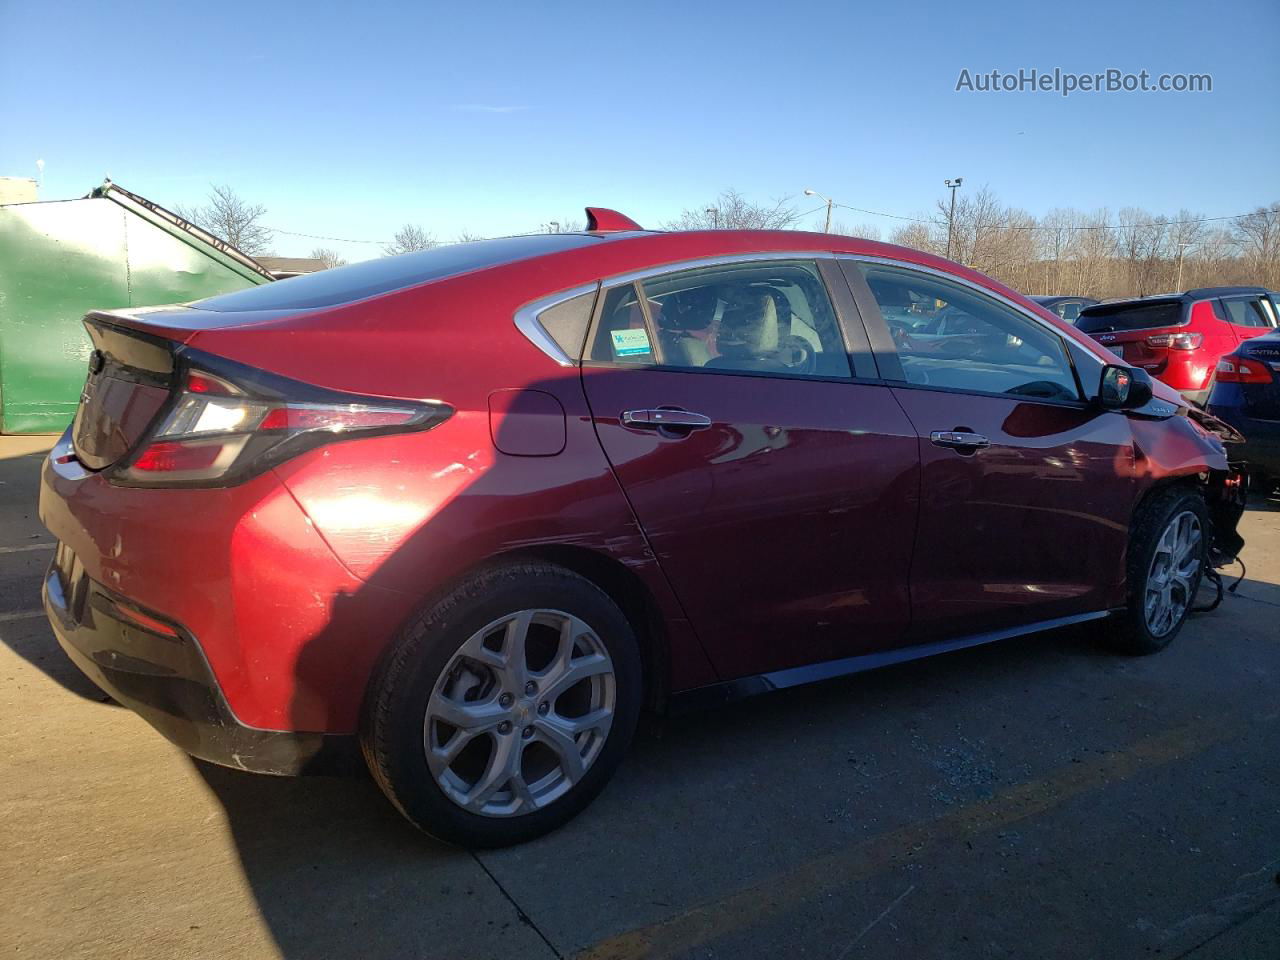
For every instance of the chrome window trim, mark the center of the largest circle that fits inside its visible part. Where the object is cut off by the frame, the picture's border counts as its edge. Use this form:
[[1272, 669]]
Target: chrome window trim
[[527, 322], [1092, 347], [679, 266]]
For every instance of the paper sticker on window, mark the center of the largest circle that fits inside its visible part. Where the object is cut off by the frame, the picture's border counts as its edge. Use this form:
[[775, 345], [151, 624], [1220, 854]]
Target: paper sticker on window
[[629, 343]]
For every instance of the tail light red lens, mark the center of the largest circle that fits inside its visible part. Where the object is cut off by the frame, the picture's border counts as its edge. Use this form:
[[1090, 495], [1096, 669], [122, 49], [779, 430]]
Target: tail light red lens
[[1236, 369], [1176, 341], [220, 428], [171, 457]]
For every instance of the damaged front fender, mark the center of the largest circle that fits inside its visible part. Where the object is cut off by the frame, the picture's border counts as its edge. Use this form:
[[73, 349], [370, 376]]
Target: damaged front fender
[[1198, 449]]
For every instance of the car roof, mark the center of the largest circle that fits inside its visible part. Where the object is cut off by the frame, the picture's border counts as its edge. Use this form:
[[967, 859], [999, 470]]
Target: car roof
[[1199, 293]]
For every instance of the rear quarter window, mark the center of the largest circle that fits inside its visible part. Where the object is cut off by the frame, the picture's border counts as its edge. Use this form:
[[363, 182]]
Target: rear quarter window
[[1117, 317]]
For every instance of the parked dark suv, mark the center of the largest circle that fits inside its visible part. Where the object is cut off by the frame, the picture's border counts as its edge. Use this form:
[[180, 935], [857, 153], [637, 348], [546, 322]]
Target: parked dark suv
[[1067, 308], [1179, 337], [475, 508]]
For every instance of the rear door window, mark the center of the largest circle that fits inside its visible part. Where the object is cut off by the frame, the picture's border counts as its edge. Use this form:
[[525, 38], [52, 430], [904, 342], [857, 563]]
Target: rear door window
[[766, 317], [1246, 312]]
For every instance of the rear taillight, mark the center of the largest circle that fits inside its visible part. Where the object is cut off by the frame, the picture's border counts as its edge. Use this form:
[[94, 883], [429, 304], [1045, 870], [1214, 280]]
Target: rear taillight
[[220, 428], [1176, 341], [1236, 369]]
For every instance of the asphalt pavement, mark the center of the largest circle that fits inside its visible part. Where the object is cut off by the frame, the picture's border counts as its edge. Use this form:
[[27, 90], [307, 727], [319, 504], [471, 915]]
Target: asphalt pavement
[[1037, 798]]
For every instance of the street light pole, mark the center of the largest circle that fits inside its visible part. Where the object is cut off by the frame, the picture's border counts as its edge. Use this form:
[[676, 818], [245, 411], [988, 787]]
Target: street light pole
[[715, 217], [951, 217], [829, 202]]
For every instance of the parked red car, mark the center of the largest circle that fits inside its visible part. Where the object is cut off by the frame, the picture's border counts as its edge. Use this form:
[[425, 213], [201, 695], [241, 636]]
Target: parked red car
[[476, 508], [1179, 338]]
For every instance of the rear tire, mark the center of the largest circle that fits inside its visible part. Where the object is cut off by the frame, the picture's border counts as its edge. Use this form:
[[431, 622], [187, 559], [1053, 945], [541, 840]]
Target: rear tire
[[540, 673], [1168, 550]]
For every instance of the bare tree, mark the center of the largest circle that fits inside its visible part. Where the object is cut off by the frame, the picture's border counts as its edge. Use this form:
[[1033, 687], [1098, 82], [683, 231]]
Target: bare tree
[[466, 236], [988, 236], [732, 211], [1094, 249], [408, 239], [1070, 251], [867, 231], [1258, 236], [1055, 243], [329, 258], [230, 218], [1215, 259], [917, 236]]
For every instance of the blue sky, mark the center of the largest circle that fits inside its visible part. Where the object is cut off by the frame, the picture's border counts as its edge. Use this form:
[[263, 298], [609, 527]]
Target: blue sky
[[348, 120]]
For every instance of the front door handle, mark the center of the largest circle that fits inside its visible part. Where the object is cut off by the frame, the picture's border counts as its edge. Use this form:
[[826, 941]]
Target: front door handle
[[661, 417], [959, 439]]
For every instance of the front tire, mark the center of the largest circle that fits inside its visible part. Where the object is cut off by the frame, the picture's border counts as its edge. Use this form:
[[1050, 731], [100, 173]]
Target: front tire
[[504, 709], [1168, 550]]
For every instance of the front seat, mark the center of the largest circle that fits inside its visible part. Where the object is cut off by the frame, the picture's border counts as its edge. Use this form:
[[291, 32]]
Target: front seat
[[748, 337], [679, 318]]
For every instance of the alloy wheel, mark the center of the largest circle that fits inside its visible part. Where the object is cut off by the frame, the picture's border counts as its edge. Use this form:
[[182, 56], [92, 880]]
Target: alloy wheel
[[520, 713], [1174, 573]]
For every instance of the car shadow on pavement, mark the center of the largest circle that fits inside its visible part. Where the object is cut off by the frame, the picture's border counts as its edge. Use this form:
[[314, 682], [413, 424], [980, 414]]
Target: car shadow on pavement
[[336, 871], [33, 641]]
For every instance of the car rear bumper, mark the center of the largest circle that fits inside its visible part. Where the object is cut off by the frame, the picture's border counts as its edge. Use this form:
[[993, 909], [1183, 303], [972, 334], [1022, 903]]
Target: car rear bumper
[[287, 637], [168, 682]]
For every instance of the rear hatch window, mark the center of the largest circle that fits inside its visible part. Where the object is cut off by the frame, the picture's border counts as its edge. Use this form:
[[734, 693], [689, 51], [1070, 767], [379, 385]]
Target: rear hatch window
[[359, 281], [1131, 316]]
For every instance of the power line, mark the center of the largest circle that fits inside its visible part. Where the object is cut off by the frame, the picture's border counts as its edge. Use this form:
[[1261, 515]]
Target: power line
[[876, 213], [1096, 226], [312, 236]]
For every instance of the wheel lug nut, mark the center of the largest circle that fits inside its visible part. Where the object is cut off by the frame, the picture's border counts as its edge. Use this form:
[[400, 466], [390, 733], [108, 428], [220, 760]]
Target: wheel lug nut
[[504, 727], [543, 708], [528, 732], [506, 700], [530, 688]]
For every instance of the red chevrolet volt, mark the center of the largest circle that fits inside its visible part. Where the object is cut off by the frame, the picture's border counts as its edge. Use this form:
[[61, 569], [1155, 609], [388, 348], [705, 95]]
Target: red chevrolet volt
[[470, 511]]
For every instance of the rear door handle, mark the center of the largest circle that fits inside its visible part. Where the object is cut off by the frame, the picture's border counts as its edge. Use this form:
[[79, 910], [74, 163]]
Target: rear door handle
[[959, 439], [660, 417]]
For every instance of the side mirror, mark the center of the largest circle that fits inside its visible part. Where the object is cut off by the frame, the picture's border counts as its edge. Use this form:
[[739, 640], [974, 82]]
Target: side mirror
[[1124, 388]]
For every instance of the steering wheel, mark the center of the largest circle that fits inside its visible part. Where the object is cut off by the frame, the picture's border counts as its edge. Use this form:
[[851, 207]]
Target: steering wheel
[[797, 354]]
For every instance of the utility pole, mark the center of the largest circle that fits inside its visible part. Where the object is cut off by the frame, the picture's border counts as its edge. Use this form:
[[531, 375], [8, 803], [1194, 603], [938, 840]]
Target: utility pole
[[829, 202], [951, 217], [1182, 248]]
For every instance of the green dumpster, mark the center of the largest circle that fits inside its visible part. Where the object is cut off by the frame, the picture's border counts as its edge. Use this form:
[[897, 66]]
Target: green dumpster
[[61, 259]]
